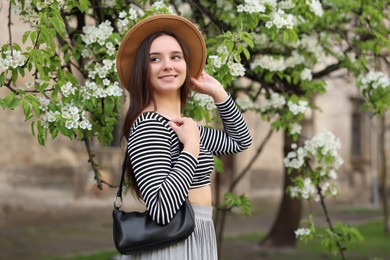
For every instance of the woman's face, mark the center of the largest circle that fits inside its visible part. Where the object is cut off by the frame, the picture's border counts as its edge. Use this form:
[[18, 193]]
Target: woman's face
[[167, 66]]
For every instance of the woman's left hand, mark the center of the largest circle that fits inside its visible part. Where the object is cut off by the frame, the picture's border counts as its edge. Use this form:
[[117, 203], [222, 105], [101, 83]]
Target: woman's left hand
[[208, 85]]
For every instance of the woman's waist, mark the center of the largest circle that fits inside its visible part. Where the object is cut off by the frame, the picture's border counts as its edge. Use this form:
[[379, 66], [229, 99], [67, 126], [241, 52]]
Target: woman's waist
[[200, 196]]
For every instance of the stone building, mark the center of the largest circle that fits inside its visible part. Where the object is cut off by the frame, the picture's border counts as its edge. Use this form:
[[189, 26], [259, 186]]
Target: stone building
[[28, 168]]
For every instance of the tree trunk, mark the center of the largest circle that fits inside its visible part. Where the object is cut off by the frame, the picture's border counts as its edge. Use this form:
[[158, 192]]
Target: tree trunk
[[382, 154], [222, 183], [289, 214]]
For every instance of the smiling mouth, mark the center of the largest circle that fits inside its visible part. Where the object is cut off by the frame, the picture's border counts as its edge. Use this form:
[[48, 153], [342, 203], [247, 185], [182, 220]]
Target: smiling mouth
[[168, 76]]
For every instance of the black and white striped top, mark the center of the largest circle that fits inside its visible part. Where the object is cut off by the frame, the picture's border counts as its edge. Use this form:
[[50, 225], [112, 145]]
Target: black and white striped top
[[164, 173]]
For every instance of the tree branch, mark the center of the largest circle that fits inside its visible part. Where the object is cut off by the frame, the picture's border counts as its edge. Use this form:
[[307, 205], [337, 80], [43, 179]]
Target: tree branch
[[93, 163], [222, 26], [324, 208], [252, 161], [327, 70], [9, 26]]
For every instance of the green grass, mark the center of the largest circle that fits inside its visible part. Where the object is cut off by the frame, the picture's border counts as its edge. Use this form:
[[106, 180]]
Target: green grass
[[376, 246], [104, 255], [376, 243]]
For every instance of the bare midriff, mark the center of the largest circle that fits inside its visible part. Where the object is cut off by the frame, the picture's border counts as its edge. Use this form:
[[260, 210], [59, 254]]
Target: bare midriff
[[200, 196]]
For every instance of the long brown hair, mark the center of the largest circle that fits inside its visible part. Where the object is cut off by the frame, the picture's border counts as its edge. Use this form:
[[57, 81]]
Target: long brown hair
[[141, 92]]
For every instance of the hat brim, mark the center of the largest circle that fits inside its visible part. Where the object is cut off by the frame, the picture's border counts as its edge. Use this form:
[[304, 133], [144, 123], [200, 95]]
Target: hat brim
[[182, 27]]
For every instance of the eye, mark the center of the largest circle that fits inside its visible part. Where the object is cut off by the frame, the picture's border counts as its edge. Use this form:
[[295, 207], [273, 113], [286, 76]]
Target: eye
[[154, 59], [176, 57]]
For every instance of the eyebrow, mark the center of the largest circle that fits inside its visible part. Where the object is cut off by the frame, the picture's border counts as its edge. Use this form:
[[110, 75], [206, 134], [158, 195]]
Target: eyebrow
[[158, 53]]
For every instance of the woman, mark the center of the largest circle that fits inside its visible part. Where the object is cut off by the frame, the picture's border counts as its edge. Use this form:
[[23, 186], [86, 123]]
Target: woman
[[159, 61]]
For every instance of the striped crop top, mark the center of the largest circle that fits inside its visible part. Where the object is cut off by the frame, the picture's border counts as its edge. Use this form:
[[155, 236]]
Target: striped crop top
[[164, 172]]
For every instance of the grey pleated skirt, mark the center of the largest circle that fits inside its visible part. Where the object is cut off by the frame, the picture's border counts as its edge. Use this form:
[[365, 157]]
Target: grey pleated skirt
[[201, 245]]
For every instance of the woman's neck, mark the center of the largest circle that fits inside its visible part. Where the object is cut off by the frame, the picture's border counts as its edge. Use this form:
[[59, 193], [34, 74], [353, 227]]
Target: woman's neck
[[167, 107]]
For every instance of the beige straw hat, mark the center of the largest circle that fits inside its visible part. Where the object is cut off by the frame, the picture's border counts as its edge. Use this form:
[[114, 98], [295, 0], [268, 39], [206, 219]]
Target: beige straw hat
[[182, 27]]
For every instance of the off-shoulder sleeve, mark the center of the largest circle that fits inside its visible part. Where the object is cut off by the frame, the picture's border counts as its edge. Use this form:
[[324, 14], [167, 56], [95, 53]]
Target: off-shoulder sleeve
[[162, 184], [234, 138]]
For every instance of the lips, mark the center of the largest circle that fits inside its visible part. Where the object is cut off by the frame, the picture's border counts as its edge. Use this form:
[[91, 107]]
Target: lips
[[167, 77]]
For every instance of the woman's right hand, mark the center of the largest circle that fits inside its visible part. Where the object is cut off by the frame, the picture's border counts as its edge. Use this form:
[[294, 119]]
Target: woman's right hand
[[188, 133]]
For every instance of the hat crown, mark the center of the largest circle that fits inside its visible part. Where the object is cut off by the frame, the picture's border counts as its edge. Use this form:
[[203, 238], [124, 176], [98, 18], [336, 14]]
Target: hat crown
[[183, 28]]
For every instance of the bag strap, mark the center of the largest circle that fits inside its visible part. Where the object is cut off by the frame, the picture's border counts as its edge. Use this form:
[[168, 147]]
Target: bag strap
[[122, 181]]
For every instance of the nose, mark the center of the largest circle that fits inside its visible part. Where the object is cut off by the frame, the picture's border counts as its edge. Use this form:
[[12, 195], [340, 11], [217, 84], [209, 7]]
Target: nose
[[167, 65]]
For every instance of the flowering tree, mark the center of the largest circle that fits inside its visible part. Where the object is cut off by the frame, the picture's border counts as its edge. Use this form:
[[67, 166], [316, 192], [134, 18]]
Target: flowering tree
[[282, 48]]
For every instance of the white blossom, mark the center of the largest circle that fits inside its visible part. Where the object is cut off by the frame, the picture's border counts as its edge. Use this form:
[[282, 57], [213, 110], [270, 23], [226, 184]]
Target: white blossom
[[325, 187], [281, 20], [75, 117], [110, 48], [251, 6], [255, 6], [295, 128], [12, 59], [287, 4], [86, 53], [280, 63], [122, 25], [332, 174], [275, 102], [85, 124], [73, 110], [298, 108], [322, 148], [30, 84], [334, 191], [261, 39], [99, 34], [204, 100], [294, 192], [301, 232], [244, 102], [159, 4], [91, 89], [236, 69], [133, 14], [68, 89], [315, 7], [114, 90], [50, 116], [215, 61], [306, 74], [269, 62], [311, 44], [108, 3], [308, 189], [44, 103], [373, 80]]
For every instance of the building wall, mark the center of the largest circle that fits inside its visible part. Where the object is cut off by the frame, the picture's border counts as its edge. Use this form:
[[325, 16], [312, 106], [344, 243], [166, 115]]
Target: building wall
[[62, 164]]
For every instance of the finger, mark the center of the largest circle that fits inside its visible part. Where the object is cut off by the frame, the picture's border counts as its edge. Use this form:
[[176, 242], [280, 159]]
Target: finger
[[178, 120], [196, 84], [174, 126]]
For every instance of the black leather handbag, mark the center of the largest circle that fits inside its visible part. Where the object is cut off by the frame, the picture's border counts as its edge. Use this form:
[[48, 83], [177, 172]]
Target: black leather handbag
[[135, 232]]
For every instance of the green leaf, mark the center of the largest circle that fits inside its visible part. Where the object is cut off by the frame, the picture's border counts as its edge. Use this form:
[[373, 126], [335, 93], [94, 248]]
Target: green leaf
[[218, 164], [33, 128], [232, 200], [2, 79], [26, 109], [246, 53], [9, 99], [14, 75], [54, 132], [109, 105], [25, 36], [285, 37], [33, 36], [42, 133]]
